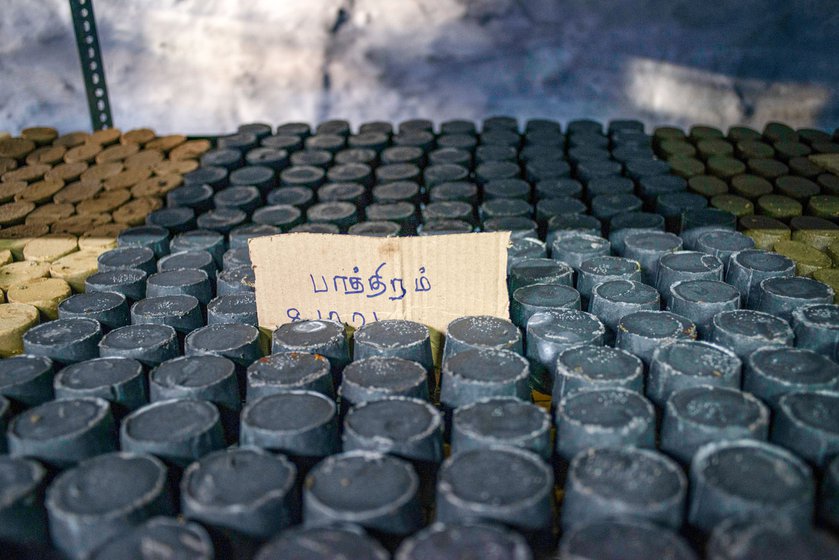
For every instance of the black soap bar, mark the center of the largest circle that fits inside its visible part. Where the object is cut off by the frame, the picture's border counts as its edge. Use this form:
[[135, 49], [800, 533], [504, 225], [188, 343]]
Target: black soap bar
[[155, 238], [604, 268], [748, 268], [504, 421], [480, 373], [148, 344], [603, 417], [647, 248], [807, 423], [460, 540], [239, 343], [623, 539], [781, 296], [177, 431], [773, 372], [301, 424], [26, 380], [64, 341], [770, 537], [624, 481], [529, 300], [176, 220], [182, 539], [477, 485], [723, 243], [613, 299], [686, 265], [481, 332], [63, 432], [701, 300], [244, 491], [109, 308], [378, 492], [323, 543], [529, 271], [207, 378], [744, 331], [236, 280], [103, 497], [744, 477], [201, 260], [394, 338], [374, 378], [593, 367], [408, 428], [181, 312], [120, 381], [816, 328], [289, 370], [141, 258], [642, 332], [327, 338], [829, 503], [233, 308], [129, 282], [200, 240], [238, 237], [186, 282], [23, 518], [689, 364], [698, 415]]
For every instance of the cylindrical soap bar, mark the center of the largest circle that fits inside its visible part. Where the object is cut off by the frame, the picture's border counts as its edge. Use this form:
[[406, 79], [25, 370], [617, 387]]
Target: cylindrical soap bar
[[604, 482], [505, 421], [323, 543], [151, 429], [150, 345], [238, 343], [642, 332], [480, 373], [689, 364], [22, 515], [459, 540], [182, 539], [476, 485], [394, 338], [121, 381], [744, 331], [376, 491], [772, 372], [595, 367], [103, 497], [609, 416], [481, 332], [613, 299], [327, 338], [109, 308], [701, 300], [698, 415], [816, 328], [768, 536], [623, 539], [26, 380], [64, 341], [746, 476], [286, 371], [746, 270], [807, 423], [781, 296], [373, 378]]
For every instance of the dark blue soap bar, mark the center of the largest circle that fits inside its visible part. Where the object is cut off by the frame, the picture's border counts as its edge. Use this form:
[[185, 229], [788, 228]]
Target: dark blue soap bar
[[323, 543], [287, 371], [120, 381], [184, 540], [129, 282], [502, 421], [26, 380], [64, 341], [773, 372], [464, 539], [374, 378], [148, 344], [141, 258], [480, 373], [22, 515], [208, 378], [109, 308], [181, 312], [769, 537], [233, 308], [624, 539], [239, 343], [327, 338]]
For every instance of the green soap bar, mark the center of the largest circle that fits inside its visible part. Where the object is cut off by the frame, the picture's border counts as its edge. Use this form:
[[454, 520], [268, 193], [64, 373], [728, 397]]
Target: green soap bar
[[707, 185], [750, 186], [742, 134], [786, 150], [825, 147], [814, 231], [714, 147], [829, 276], [803, 167], [663, 133], [702, 132], [779, 206], [829, 183], [767, 168], [810, 135], [807, 259], [737, 205], [764, 231], [754, 149], [798, 188], [676, 148], [686, 166], [824, 206], [725, 167], [776, 132], [833, 252]]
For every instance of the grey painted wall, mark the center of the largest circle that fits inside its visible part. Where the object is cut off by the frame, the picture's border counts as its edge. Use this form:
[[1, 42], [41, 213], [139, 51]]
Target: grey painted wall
[[203, 66]]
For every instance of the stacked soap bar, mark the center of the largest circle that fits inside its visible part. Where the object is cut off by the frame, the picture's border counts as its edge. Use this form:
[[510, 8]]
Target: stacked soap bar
[[778, 183], [689, 379], [63, 201]]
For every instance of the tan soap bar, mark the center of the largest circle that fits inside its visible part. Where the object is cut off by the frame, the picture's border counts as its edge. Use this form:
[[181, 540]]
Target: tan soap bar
[[40, 192], [49, 155], [72, 139], [22, 271], [178, 167], [134, 213], [77, 192], [50, 213], [101, 238], [106, 201], [117, 152], [105, 137], [14, 212], [28, 173], [66, 172], [15, 320], [10, 189], [144, 159], [78, 225], [75, 268], [101, 171], [6, 257], [15, 238], [137, 136], [85, 152], [44, 293], [50, 247]]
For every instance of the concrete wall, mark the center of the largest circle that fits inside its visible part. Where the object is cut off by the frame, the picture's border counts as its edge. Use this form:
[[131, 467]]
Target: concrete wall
[[203, 66]]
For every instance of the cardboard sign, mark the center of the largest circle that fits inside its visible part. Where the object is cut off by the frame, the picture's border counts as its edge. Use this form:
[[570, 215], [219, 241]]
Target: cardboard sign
[[356, 280]]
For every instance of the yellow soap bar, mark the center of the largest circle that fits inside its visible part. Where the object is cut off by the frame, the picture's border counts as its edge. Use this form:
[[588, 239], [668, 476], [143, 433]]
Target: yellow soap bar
[[15, 320], [50, 247], [44, 293], [23, 271], [75, 268]]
